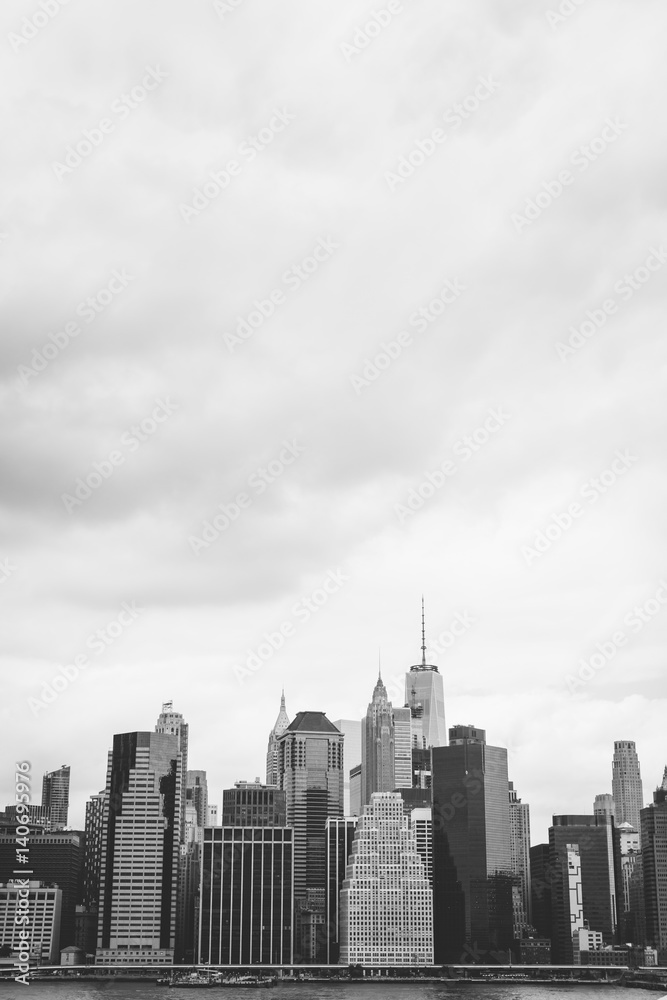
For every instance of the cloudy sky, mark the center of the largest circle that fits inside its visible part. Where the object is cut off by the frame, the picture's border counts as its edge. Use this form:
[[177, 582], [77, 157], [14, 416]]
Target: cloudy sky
[[312, 308]]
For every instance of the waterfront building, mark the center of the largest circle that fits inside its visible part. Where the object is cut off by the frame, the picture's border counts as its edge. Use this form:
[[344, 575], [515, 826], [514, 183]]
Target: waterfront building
[[56, 859], [351, 730], [541, 877], [281, 724], [473, 878], [43, 923], [339, 835], [654, 862], [377, 745], [55, 797], [310, 766], [520, 860], [386, 910], [252, 804], [424, 692], [626, 783], [140, 849], [585, 838], [246, 898]]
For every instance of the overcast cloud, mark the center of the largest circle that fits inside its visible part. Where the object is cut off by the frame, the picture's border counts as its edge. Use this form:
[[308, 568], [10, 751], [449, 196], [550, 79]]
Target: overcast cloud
[[425, 295]]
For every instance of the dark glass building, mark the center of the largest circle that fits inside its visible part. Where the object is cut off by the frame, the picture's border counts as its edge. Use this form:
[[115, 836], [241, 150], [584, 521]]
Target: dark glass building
[[339, 835], [591, 895], [540, 889], [56, 859], [472, 870], [253, 804], [245, 905], [654, 862]]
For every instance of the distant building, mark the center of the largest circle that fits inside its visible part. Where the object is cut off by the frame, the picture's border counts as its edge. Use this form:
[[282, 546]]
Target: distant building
[[541, 878], [377, 745], [626, 783], [534, 951], [196, 796], [140, 849], [604, 805], [355, 791], [55, 797], [281, 724], [172, 723], [252, 804], [351, 730], [386, 915], [211, 815], [421, 824], [423, 690], [43, 923], [245, 907], [520, 859], [473, 880], [339, 834]]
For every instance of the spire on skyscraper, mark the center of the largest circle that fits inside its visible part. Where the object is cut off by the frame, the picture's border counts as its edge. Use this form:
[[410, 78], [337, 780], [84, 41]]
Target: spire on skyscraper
[[423, 636]]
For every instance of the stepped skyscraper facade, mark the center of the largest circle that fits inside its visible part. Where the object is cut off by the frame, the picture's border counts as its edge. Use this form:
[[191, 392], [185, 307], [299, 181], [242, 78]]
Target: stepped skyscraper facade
[[386, 909]]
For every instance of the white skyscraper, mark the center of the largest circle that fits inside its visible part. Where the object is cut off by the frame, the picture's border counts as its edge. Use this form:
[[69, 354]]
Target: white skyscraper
[[425, 697], [422, 825], [386, 903], [173, 723], [402, 748], [626, 783], [520, 859]]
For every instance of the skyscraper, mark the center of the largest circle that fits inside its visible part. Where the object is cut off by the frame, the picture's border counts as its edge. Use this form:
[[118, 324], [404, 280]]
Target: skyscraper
[[281, 724], [377, 745], [351, 730], [423, 690], [252, 804], [654, 862], [520, 857], [310, 767], [339, 835], [402, 748], [579, 845], [626, 783], [472, 862], [604, 805], [174, 724], [55, 796], [386, 908], [196, 795], [140, 849]]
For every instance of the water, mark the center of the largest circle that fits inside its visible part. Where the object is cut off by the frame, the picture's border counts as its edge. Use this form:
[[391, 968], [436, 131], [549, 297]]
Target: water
[[320, 991]]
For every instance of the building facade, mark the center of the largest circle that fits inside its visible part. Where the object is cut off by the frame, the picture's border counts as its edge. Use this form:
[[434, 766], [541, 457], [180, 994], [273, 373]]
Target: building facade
[[252, 804], [473, 879], [281, 724], [377, 745], [386, 907], [626, 782], [140, 850], [35, 908], [246, 899], [339, 834], [55, 797], [520, 860], [654, 862]]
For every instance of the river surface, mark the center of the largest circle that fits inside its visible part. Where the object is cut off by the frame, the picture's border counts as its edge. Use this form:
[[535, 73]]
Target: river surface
[[322, 991]]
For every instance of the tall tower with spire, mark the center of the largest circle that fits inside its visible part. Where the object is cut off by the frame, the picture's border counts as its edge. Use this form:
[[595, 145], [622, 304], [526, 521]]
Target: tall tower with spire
[[377, 745], [425, 697], [281, 724]]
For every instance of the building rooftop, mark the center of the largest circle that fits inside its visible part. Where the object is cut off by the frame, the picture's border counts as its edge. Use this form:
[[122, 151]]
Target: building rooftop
[[311, 722]]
